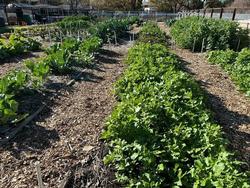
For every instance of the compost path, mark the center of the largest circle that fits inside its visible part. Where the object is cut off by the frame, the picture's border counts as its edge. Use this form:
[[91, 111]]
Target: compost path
[[65, 140], [231, 107], [15, 63]]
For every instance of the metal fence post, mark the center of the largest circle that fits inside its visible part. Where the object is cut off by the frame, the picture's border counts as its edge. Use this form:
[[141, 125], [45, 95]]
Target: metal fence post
[[221, 13], [234, 14], [212, 12], [204, 13]]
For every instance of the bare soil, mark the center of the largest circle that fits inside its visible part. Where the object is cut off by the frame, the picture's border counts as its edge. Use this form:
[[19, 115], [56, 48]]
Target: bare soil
[[65, 137], [231, 108]]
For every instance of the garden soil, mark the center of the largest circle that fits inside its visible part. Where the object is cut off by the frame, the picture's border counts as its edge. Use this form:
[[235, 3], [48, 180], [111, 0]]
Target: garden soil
[[63, 142]]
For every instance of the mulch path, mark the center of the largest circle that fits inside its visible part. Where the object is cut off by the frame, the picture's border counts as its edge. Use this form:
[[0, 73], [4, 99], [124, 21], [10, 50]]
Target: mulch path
[[14, 63], [231, 107], [65, 138]]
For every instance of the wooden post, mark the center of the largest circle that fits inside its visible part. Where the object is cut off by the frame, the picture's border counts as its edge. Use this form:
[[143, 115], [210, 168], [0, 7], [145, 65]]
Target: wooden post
[[238, 45], [194, 45], [234, 14], [221, 12], [212, 12], [202, 46]]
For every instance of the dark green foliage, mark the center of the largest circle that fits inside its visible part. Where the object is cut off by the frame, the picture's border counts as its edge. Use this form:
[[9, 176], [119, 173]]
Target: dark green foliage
[[218, 34], [108, 28], [236, 64], [151, 33]]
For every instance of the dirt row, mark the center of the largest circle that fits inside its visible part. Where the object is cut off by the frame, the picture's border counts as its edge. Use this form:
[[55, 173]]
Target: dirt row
[[65, 138], [231, 107]]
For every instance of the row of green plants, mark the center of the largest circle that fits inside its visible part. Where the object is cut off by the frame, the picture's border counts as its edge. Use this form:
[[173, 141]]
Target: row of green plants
[[192, 32], [237, 64], [108, 29], [151, 33], [17, 44], [161, 134], [60, 59], [83, 26]]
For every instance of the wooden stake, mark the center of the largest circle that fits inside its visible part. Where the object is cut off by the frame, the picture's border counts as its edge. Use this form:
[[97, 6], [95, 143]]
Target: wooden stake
[[238, 45], [202, 46], [194, 45], [115, 38]]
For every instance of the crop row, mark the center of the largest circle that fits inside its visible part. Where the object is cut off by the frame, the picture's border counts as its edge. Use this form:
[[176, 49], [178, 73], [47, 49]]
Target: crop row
[[17, 44], [161, 134], [60, 59], [195, 32], [78, 27], [237, 64]]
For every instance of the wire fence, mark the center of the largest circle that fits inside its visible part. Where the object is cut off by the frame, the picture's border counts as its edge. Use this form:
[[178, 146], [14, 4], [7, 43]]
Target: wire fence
[[236, 14]]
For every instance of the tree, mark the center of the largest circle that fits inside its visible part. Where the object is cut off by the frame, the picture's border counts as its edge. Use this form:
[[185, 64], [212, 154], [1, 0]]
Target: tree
[[116, 4], [177, 5]]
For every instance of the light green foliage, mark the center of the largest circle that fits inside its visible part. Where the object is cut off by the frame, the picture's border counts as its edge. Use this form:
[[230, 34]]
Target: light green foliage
[[236, 64], [8, 109], [161, 134], [16, 45], [151, 33], [218, 34], [39, 71], [10, 85]]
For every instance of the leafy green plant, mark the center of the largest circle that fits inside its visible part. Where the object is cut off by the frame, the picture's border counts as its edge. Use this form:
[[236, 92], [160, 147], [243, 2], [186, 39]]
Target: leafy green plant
[[60, 61], [151, 33], [161, 133], [8, 109], [13, 82], [217, 34], [236, 64], [10, 85], [108, 28], [16, 45], [38, 71], [91, 45], [3, 51]]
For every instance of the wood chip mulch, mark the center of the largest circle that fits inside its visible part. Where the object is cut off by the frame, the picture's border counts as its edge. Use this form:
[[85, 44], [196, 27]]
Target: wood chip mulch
[[15, 63], [65, 138]]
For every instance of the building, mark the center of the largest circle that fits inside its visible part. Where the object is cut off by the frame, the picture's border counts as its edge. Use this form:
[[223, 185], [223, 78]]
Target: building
[[148, 5]]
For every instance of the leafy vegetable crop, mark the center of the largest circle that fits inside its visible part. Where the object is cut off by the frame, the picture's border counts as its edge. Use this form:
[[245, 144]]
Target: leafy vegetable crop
[[161, 133], [217, 34], [61, 58], [16, 45], [151, 33]]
